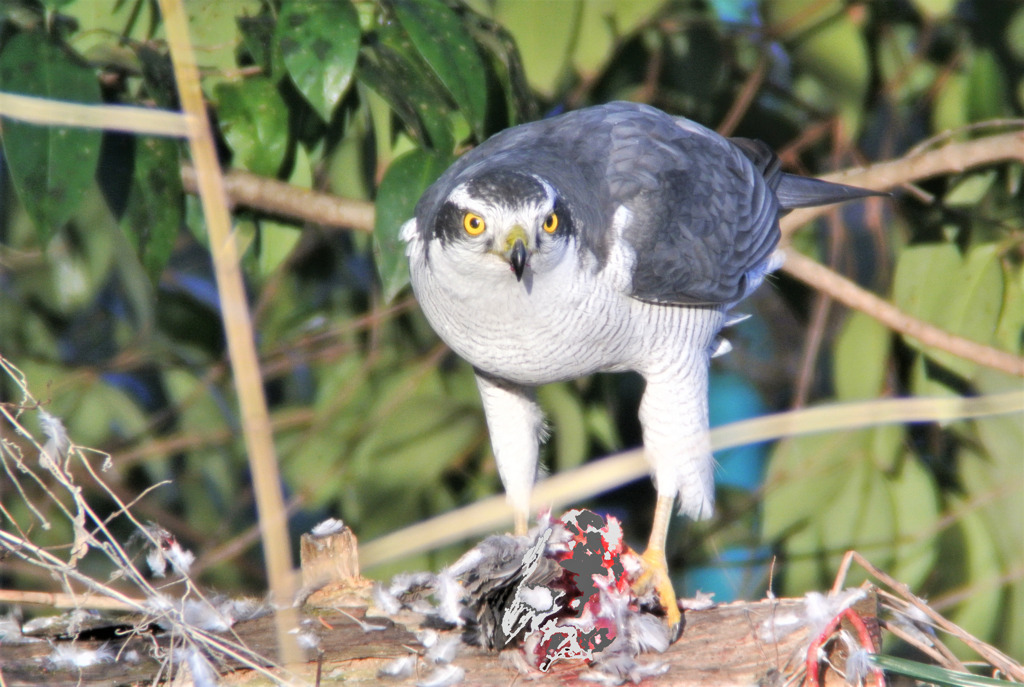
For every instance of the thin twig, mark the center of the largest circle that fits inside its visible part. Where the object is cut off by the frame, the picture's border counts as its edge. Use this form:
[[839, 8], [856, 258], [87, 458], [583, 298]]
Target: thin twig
[[744, 98]]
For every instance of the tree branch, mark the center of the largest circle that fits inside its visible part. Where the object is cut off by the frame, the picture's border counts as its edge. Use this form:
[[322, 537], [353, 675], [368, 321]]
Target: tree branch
[[284, 200], [949, 159], [845, 291]]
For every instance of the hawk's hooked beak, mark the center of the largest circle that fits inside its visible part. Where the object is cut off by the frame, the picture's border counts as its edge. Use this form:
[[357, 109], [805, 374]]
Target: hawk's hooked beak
[[515, 247]]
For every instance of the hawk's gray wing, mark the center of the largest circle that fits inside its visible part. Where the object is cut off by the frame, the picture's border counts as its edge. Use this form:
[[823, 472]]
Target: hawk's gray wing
[[703, 215], [703, 209]]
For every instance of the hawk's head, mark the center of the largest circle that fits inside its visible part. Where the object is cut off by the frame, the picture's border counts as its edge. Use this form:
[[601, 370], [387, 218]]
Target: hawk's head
[[504, 219]]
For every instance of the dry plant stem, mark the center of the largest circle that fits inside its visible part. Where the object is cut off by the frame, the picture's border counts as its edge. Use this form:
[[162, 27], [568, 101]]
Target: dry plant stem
[[599, 476], [926, 649], [60, 600], [282, 199], [259, 439], [948, 658], [995, 657], [848, 293], [134, 120]]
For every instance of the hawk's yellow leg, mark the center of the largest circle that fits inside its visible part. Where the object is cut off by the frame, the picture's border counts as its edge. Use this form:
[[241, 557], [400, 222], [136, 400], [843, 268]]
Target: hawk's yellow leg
[[656, 568], [520, 522]]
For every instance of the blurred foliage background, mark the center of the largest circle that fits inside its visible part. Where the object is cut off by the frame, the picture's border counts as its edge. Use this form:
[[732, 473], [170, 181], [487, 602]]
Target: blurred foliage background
[[108, 304]]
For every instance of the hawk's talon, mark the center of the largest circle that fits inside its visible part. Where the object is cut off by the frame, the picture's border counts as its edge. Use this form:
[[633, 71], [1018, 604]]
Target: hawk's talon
[[655, 576]]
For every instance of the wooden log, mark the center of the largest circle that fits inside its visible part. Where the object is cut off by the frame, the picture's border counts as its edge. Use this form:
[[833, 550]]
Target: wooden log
[[348, 640], [729, 644]]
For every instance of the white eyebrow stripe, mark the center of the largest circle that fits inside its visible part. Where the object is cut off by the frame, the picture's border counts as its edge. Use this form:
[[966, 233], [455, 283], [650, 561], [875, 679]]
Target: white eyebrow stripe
[[549, 190], [460, 196]]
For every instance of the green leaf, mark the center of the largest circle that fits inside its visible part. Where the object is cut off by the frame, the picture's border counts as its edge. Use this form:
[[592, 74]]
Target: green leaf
[[277, 241], [935, 9], [215, 34], [569, 424], [258, 38], [320, 44], [861, 352], [442, 40], [52, 167], [394, 71], [546, 54], [254, 121], [969, 191], [936, 675], [960, 295], [950, 110], [986, 89], [828, 43], [916, 515], [403, 184], [825, 495], [153, 213], [601, 26], [507, 66]]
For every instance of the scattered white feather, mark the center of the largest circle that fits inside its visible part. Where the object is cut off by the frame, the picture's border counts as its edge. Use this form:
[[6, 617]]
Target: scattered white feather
[[306, 640], [701, 601], [164, 549], [180, 559], [623, 668], [327, 528], [538, 598], [70, 656], [819, 610], [444, 650], [914, 622], [858, 666], [385, 600], [732, 319], [647, 633], [443, 676], [203, 674], [156, 561], [401, 667], [449, 593], [205, 616], [243, 608], [428, 637], [10, 630], [720, 346], [159, 604], [57, 441], [468, 561], [408, 582]]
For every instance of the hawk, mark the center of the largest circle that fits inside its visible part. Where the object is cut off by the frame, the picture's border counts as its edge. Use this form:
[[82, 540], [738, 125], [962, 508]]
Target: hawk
[[611, 238]]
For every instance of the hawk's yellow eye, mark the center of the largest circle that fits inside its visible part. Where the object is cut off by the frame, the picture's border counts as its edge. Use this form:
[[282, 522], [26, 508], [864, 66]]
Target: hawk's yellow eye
[[551, 223], [473, 224]]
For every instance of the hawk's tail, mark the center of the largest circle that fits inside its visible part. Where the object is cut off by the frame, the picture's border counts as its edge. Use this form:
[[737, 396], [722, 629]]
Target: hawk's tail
[[804, 192], [796, 191]]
